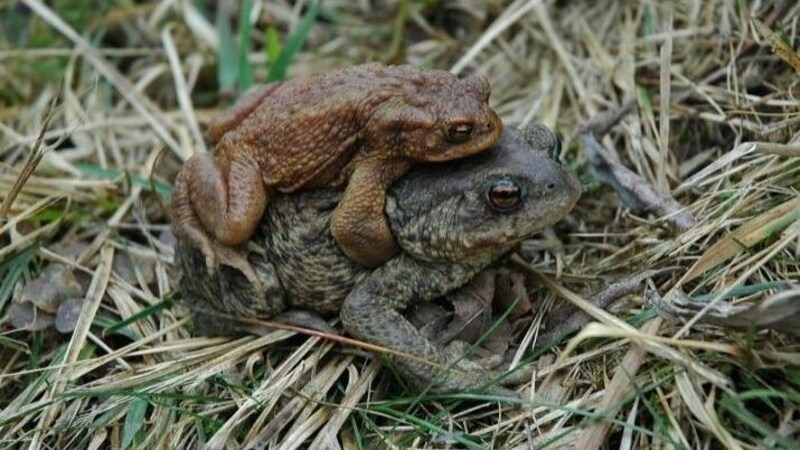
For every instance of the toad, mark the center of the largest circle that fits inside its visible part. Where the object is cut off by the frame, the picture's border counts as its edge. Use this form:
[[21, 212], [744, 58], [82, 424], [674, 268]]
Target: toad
[[451, 222], [362, 126]]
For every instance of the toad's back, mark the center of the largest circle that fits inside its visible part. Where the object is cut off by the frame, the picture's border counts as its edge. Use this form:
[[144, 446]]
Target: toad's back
[[362, 127], [297, 129]]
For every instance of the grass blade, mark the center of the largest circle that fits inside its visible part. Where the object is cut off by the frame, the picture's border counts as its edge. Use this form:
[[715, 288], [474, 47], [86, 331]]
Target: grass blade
[[293, 44], [134, 421]]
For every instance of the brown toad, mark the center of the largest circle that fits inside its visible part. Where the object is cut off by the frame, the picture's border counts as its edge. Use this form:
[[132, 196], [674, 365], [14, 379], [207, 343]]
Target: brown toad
[[362, 126], [451, 222]]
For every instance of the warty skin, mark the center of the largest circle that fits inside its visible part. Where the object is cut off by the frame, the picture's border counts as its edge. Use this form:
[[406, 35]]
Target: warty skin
[[450, 221]]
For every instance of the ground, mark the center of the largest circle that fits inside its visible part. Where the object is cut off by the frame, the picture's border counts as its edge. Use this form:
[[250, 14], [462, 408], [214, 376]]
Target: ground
[[102, 101]]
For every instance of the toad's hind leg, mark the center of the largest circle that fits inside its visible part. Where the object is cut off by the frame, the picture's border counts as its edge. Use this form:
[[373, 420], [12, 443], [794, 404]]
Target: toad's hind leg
[[216, 206], [185, 223], [358, 223]]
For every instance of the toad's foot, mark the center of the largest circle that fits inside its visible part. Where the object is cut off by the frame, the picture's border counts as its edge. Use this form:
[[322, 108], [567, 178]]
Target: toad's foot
[[456, 373], [372, 312], [215, 254], [216, 205], [367, 241], [358, 223], [219, 198], [480, 372], [234, 258]]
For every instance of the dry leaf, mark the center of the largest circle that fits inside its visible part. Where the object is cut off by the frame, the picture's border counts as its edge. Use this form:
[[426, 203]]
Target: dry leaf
[[472, 318], [54, 284], [511, 292], [473, 309], [41, 302], [25, 316], [67, 315], [127, 265]]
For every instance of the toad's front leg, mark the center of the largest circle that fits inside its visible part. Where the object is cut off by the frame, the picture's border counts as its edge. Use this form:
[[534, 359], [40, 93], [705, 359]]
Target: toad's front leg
[[216, 205], [358, 223], [372, 311]]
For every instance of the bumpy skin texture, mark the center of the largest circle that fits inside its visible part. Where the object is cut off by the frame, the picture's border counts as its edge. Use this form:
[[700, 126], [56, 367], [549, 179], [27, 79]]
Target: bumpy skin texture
[[451, 221], [363, 127]]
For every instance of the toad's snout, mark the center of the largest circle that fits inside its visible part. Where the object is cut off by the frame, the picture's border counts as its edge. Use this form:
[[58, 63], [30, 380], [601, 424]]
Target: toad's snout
[[558, 187], [490, 127]]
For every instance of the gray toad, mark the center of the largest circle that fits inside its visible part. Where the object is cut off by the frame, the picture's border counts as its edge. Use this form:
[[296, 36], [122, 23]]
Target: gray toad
[[450, 221]]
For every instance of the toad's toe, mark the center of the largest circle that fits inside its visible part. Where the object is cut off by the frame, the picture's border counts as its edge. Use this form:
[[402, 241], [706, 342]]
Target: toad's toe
[[238, 260]]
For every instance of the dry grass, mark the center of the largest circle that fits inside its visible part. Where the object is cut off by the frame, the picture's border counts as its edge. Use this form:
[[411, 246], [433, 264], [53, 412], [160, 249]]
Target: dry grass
[[138, 85]]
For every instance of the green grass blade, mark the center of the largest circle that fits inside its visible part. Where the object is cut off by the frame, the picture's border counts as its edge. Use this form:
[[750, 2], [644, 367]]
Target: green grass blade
[[134, 421], [735, 404], [227, 69], [11, 271], [293, 44], [149, 311], [273, 47], [245, 30]]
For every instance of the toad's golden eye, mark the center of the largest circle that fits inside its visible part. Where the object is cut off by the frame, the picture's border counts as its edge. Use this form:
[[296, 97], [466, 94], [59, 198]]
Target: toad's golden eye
[[459, 133], [505, 195]]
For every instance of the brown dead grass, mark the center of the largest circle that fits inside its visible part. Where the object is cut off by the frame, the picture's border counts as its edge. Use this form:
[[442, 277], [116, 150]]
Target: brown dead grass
[[726, 146]]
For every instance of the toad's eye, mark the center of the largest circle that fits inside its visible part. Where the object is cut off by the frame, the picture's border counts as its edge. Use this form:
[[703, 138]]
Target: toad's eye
[[458, 133], [505, 195]]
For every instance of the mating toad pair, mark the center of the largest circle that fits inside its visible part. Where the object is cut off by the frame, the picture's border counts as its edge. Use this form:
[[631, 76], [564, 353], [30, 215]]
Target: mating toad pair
[[361, 127]]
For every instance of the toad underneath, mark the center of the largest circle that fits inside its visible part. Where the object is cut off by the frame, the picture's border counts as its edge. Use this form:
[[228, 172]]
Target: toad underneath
[[361, 126], [451, 222]]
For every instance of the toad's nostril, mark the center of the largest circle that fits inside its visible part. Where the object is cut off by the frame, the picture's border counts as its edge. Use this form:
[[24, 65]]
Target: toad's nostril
[[551, 186]]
